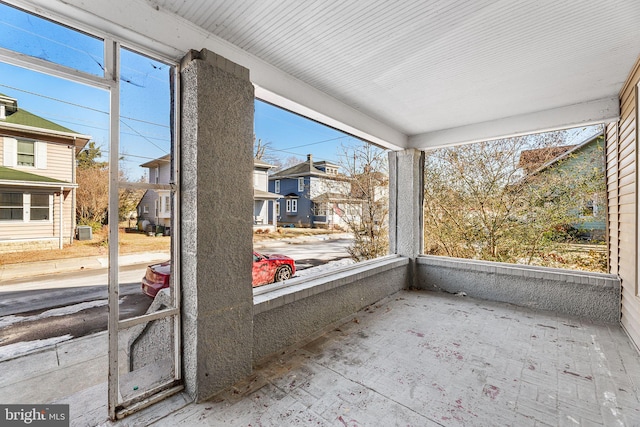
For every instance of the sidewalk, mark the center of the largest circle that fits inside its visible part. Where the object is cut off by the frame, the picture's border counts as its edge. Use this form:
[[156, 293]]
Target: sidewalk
[[40, 268], [53, 372]]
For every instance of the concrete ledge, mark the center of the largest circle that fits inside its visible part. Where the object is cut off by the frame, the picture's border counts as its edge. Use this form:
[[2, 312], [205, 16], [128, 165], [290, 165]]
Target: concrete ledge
[[289, 314], [593, 296], [22, 245]]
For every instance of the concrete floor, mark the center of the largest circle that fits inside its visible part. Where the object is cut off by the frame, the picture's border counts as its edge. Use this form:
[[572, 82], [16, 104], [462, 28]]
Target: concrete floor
[[429, 359]]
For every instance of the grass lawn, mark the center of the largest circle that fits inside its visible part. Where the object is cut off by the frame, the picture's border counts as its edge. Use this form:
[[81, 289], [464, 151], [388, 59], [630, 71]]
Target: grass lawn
[[130, 243]]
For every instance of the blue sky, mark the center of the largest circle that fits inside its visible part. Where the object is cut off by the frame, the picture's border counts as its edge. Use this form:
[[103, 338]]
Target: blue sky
[[145, 97]]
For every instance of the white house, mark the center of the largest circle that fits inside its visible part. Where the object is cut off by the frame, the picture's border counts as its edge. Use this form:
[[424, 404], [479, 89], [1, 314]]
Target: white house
[[37, 180]]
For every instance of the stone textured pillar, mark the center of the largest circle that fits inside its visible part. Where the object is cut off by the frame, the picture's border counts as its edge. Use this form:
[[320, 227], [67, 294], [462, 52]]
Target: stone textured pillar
[[216, 222], [406, 192]]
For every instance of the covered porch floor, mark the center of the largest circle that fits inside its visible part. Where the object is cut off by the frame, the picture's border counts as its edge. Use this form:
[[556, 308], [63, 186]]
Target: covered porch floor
[[430, 358]]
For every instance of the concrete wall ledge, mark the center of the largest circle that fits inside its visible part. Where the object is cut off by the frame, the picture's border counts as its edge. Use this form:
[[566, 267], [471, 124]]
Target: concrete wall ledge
[[593, 296], [273, 296], [291, 314]]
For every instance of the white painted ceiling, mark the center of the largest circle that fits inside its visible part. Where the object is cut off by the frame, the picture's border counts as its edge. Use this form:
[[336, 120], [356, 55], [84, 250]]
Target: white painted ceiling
[[415, 72], [424, 66]]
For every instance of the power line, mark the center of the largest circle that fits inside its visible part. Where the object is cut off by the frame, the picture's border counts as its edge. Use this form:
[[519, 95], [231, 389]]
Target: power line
[[144, 137], [83, 106]]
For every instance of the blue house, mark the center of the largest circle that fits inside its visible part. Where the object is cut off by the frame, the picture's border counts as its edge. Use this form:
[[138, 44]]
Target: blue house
[[311, 192]]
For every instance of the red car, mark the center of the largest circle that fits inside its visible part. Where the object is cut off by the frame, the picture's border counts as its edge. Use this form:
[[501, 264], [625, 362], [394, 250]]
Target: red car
[[266, 269]]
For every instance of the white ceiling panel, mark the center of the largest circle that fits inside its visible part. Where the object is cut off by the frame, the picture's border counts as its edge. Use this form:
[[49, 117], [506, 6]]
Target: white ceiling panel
[[423, 70], [426, 66]]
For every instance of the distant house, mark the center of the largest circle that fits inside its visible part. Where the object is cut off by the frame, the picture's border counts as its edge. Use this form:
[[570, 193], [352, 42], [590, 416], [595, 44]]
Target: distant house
[[155, 205], [314, 194], [581, 161], [264, 202], [37, 180]]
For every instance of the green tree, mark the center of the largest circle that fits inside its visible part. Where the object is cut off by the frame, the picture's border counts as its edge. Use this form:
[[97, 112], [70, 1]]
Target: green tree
[[87, 158]]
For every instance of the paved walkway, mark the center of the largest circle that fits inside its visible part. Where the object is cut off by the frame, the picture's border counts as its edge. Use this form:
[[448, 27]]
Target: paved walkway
[[430, 359]]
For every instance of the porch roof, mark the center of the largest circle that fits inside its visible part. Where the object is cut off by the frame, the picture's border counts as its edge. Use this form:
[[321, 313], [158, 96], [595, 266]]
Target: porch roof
[[409, 74], [15, 177], [264, 195]]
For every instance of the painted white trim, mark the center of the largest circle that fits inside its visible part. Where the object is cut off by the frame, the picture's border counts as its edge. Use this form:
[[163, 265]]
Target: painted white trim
[[587, 113], [40, 150], [9, 182], [41, 131], [10, 151]]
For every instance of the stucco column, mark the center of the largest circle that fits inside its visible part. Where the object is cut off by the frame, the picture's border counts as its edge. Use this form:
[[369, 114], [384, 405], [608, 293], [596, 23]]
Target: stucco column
[[406, 192], [216, 220]]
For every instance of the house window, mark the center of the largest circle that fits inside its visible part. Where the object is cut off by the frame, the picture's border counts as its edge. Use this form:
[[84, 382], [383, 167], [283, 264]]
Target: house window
[[26, 153], [292, 205], [40, 207], [277, 186], [167, 203], [23, 152], [11, 207], [145, 209], [300, 184]]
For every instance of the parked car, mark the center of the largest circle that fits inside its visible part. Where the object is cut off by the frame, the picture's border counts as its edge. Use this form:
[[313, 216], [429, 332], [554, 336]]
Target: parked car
[[266, 269]]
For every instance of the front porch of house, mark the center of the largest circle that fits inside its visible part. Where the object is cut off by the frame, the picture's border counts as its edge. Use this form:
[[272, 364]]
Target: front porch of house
[[425, 358], [403, 339]]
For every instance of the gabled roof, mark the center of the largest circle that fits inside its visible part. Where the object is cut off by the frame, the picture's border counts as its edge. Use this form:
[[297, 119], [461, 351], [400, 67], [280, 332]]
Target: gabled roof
[[531, 160], [155, 163], [308, 168], [25, 118], [301, 169], [15, 177], [21, 123], [565, 154]]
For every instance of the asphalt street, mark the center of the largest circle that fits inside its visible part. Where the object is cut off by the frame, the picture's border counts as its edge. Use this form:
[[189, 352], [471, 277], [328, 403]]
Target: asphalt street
[[74, 303]]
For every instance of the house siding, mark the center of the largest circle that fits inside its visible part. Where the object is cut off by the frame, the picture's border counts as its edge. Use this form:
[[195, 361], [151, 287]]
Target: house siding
[[59, 162], [32, 230], [622, 199]]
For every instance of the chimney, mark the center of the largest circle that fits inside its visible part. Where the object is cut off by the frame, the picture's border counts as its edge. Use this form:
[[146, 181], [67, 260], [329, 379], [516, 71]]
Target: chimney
[[310, 160]]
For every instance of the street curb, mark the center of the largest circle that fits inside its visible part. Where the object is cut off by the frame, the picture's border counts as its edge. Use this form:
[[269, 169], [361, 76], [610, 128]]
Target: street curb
[[41, 268]]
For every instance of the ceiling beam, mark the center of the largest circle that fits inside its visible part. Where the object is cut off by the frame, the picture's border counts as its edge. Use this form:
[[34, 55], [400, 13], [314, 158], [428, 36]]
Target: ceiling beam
[[584, 114]]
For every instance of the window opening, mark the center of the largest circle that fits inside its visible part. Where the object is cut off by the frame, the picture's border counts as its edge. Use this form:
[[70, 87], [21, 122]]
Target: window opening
[[26, 153], [536, 200], [107, 131], [324, 182], [40, 207], [11, 207]]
